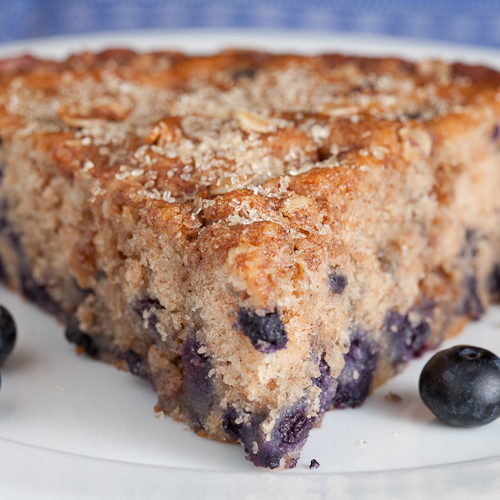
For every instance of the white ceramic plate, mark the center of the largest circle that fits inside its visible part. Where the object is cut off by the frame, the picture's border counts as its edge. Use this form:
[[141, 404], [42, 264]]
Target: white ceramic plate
[[73, 429]]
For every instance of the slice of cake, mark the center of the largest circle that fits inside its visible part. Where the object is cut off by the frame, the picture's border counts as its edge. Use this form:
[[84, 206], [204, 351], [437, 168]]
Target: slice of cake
[[262, 237]]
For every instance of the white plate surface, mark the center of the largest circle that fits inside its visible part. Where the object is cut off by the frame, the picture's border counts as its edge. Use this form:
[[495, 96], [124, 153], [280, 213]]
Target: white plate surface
[[72, 428]]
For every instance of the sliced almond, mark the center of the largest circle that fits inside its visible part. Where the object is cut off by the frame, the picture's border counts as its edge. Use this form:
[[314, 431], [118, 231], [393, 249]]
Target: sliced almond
[[231, 183], [251, 122], [292, 205], [74, 116], [163, 133], [336, 110]]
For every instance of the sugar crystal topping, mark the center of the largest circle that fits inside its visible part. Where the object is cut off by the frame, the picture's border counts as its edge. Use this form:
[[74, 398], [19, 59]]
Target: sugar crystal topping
[[174, 138]]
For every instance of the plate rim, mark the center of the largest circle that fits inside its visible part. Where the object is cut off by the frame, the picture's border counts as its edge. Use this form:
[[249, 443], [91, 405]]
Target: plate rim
[[488, 467], [259, 36]]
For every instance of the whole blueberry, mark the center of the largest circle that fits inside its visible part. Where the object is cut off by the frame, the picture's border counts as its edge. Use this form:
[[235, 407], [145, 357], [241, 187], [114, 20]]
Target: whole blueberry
[[461, 386], [7, 333]]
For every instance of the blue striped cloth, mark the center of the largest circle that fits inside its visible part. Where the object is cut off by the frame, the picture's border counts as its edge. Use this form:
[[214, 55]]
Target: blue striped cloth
[[468, 21]]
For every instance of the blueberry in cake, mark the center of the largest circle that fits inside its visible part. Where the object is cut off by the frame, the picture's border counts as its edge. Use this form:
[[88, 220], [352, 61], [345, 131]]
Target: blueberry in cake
[[262, 237]]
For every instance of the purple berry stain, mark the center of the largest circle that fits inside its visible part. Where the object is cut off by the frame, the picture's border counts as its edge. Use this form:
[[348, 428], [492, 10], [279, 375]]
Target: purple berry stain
[[147, 307], [356, 377], [408, 338], [472, 305], [135, 363], [327, 384], [197, 384], [30, 287], [81, 339], [289, 434]]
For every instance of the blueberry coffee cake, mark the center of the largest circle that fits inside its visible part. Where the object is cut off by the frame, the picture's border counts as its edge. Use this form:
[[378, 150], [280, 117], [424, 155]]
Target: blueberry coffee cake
[[262, 237]]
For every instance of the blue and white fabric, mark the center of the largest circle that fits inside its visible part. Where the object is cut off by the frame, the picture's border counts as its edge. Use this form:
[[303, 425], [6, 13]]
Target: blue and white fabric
[[474, 22]]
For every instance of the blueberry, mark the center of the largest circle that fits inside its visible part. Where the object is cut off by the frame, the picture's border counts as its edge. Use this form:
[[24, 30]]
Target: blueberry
[[234, 429], [494, 282], [294, 427], [244, 73], [496, 133], [7, 334], [337, 282], [267, 333], [461, 386]]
